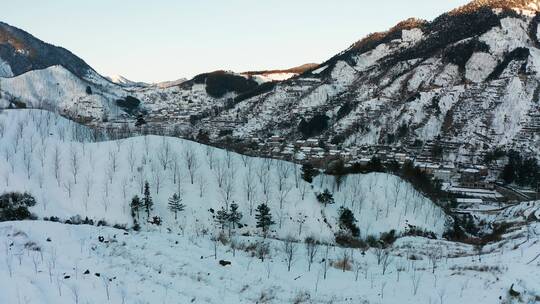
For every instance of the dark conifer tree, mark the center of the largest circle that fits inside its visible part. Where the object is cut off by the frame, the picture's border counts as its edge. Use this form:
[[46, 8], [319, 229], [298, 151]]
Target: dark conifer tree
[[175, 205], [148, 203], [264, 218]]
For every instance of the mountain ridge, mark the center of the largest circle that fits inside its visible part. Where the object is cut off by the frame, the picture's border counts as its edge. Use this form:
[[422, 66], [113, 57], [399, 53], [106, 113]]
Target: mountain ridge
[[24, 53]]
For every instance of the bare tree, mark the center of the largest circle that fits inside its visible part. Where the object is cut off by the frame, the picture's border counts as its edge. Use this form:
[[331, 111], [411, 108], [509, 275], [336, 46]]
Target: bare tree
[[131, 157], [289, 249], [57, 159], [415, 280], [164, 153], [141, 178], [210, 157], [312, 246], [9, 264], [88, 184], [75, 292], [203, 183], [379, 252], [284, 193], [107, 285], [27, 164], [229, 159], [397, 189], [325, 263], [74, 162], [303, 189], [192, 163], [386, 260], [175, 167], [156, 177], [219, 172], [227, 191], [249, 189], [283, 172], [68, 186], [42, 155], [434, 256]]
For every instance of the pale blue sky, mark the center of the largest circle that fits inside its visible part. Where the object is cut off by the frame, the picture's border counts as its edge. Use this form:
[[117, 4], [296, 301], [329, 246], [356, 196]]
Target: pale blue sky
[[164, 39]]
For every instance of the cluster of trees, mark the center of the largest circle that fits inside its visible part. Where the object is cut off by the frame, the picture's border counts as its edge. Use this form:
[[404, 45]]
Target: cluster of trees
[[146, 204], [130, 104], [14, 206], [520, 170], [229, 217], [314, 126], [220, 83]]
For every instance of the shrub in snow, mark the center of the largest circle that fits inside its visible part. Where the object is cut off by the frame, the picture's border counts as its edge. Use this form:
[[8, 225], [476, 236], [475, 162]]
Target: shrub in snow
[[308, 172], [14, 206], [347, 221], [325, 198]]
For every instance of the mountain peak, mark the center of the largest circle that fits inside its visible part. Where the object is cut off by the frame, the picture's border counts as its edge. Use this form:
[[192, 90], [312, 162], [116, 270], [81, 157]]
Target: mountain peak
[[528, 5]]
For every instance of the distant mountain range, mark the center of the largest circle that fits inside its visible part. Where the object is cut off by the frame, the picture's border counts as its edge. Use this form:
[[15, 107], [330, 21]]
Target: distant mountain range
[[467, 81]]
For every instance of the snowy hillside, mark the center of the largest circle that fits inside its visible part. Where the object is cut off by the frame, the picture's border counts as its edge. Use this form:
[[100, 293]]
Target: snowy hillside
[[57, 88], [70, 173], [44, 262], [53, 159], [468, 80]]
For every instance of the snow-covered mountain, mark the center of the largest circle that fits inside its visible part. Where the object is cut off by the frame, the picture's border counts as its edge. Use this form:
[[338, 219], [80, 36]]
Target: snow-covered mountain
[[123, 81], [468, 79], [21, 52]]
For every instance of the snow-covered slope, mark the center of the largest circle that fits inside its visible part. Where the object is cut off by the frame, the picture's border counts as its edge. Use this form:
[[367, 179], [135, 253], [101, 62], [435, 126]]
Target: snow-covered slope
[[45, 262], [468, 79], [123, 81], [56, 88], [53, 159]]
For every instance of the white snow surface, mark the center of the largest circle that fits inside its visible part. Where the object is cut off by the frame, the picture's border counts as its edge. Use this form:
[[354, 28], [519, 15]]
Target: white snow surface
[[45, 262], [480, 66]]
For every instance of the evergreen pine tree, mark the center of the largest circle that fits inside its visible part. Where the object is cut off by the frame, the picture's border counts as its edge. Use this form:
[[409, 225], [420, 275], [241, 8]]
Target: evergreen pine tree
[[222, 217], [148, 203], [175, 205], [135, 206], [235, 216], [264, 218]]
